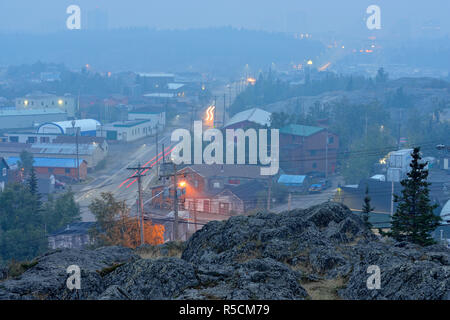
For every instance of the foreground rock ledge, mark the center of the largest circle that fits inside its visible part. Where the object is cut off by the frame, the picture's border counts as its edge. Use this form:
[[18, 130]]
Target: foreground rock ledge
[[319, 253]]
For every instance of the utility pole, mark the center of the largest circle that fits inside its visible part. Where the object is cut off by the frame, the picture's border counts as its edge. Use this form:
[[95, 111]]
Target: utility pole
[[163, 156], [175, 203], [139, 174], [175, 198], [156, 152]]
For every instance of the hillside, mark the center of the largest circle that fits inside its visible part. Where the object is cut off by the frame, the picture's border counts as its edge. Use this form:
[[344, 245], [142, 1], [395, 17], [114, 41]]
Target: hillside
[[319, 253]]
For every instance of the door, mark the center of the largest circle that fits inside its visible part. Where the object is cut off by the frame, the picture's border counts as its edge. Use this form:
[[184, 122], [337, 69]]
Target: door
[[111, 135], [224, 208], [206, 206]]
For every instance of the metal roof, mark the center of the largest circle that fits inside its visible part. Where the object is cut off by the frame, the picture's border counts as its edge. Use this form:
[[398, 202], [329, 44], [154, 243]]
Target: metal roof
[[30, 112], [49, 162], [61, 126], [255, 115], [129, 124], [64, 148], [291, 179], [159, 95], [300, 130]]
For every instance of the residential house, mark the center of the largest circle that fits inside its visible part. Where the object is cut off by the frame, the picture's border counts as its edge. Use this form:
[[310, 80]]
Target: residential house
[[4, 173], [304, 149], [73, 236]]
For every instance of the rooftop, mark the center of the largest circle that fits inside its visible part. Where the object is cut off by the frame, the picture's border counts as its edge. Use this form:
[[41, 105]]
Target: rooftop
[[74, 228], [255, 115], [29, 112], [128, 124], [227, 170], [291, 179], [49, 162], [300, 130], [81, 139]]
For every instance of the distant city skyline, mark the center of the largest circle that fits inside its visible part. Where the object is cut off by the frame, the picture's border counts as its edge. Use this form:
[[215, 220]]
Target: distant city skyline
[[322, 16]]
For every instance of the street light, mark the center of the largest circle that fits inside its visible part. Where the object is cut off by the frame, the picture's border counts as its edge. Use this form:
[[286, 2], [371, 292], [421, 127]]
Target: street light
[[76, 142]]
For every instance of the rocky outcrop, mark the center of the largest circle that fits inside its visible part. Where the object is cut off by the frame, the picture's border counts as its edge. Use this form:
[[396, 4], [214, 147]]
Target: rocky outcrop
[[321, 252], [47, 279]]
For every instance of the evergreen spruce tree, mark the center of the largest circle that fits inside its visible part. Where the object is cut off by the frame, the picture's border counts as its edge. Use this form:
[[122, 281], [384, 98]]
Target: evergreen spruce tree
[[35, 197], [414, 219], [32, 182], [367, 209]]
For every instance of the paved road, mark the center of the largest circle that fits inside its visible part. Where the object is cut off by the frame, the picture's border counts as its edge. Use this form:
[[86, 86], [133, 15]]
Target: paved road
[[306, 201], [111, 179]]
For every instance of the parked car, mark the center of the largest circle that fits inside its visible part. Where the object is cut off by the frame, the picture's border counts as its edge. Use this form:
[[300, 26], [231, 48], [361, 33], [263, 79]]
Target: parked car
[[315, 188], [325, 183], [59, 184]]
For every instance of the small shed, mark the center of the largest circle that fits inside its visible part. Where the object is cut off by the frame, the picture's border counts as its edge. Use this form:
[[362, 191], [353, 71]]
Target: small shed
[[293, 182]]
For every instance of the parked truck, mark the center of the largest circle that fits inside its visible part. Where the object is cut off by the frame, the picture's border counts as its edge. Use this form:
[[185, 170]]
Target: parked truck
[[398, 164]]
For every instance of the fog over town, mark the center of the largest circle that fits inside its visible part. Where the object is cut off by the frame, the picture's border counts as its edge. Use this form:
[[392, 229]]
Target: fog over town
[[224, 150]]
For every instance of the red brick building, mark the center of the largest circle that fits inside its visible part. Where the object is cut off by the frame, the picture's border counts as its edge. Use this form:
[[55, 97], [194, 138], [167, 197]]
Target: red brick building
[[57, 166], [219, 189], [303, 149]]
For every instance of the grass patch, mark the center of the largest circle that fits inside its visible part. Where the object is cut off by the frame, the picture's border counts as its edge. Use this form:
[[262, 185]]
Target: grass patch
[[324, 289], [108, 270], [168, 249], [16, 269]]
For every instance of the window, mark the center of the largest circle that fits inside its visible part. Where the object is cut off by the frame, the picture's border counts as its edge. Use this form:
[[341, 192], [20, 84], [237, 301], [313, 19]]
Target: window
[[50, 170], [330, 140], [314, 165], [216, 185], [4, 172], [196, 183], [312, 152], [67, 170]]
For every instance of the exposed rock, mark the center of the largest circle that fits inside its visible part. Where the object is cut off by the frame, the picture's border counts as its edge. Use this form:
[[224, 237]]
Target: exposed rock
[[320, 252], [149, 279], [254, 279], [410, 274], [47, 279]]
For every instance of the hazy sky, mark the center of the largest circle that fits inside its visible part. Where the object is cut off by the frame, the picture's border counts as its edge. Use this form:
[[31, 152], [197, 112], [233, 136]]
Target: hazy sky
[[340, 16]]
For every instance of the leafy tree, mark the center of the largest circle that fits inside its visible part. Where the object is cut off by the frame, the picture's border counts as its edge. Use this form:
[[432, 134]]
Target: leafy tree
[[367, 209], [61, 211], [115, 226], [414, 219]]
